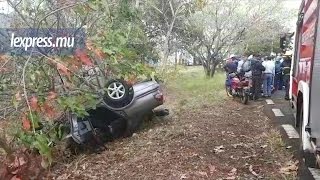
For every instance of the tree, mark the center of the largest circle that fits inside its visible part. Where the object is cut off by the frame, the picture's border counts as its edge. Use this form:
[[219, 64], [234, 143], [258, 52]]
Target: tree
[[39, 89], [263, 38], [210, 33], [163, 18]]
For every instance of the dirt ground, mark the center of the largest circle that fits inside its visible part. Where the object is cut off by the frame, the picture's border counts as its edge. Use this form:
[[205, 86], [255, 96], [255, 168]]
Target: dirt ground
[[225, 140]]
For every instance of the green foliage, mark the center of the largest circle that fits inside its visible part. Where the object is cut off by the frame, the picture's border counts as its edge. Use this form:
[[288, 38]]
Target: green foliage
[[42, 140], [113, 27], [79, 104]]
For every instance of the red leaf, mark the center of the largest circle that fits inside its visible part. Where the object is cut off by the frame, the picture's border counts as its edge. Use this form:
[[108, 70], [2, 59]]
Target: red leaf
[[34, 103], [52, 95], [48, 109], [83, 57], [63, 69], [26, 124]]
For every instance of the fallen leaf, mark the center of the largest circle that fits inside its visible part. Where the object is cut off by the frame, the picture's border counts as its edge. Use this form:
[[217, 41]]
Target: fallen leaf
[[18, 96], [52, 95], [203, 173], [212, 168], [236, 145], [290, 168], [230, 178], [232, 173], [183, 176], [263, 146], [83, 57], [219, 149], [34, 103], [26, 124], [252, 171], [63, 70], [48, 110]]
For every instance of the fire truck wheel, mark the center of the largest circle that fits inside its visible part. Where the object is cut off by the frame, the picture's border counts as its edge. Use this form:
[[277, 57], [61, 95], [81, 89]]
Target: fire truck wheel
[[308, 157]]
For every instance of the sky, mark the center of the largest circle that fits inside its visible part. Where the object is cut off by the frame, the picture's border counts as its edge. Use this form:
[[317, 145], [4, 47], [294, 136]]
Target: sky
[[290, 4], [4, 8], [293, 5]]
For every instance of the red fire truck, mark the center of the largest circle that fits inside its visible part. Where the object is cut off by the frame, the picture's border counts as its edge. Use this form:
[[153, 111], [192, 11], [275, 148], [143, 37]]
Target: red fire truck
[[305, 80]]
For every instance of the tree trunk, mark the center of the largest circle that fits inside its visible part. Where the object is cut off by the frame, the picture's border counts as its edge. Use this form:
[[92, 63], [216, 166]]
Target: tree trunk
[[212, 70], [207, 68], [167, 44], [176, 60]]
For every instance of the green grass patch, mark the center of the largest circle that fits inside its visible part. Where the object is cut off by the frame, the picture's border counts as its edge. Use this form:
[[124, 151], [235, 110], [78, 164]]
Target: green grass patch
[[192, 88]]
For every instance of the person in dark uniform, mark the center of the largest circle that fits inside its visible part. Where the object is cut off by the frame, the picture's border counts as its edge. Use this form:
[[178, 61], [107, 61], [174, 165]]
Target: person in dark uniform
[[278, 75], [286, 67], [256, 69], [230, 66]]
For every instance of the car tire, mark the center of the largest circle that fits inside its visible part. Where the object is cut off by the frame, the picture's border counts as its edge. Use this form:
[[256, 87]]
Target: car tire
[[308, 157], [118, 93]]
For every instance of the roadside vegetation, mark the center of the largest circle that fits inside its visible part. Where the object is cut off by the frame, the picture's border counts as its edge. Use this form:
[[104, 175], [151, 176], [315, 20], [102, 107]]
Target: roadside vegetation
[[192, 88]]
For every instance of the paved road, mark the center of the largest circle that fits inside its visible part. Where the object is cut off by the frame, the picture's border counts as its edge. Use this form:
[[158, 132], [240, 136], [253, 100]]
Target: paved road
[[279, 110]]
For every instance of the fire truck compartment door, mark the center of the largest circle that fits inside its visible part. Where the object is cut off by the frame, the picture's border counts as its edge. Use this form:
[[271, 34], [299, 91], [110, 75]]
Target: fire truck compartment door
[[314, 106]]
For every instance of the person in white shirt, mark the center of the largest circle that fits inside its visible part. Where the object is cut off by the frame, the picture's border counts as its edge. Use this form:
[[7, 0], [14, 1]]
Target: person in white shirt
[[268, 75]]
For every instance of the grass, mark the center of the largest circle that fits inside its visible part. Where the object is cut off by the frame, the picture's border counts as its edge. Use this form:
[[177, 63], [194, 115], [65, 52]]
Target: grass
[[193, 88], [282, 156]]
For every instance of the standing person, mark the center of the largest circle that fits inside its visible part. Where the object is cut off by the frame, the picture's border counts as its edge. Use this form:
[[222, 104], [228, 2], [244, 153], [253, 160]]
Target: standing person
[[286, 67], [231, 66], [268, 75], [278, 75], [240, 63], [256, 68]]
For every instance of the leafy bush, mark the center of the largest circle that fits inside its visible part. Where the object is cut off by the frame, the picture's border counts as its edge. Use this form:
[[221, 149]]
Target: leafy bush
[[40, 90]]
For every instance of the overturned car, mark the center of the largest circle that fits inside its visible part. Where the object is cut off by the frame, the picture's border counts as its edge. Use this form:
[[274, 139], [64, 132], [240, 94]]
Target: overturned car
[[119, 113]]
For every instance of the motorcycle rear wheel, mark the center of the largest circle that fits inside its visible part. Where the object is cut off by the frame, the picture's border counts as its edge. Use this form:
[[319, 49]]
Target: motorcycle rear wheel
[[228, 91], [244, 98]]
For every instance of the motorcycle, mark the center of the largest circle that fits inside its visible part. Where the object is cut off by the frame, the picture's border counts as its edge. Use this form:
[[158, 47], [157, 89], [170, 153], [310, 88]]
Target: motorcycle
[[238, 87]]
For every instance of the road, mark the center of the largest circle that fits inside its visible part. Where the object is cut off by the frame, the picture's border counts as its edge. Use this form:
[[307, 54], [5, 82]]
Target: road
[[280, 112]]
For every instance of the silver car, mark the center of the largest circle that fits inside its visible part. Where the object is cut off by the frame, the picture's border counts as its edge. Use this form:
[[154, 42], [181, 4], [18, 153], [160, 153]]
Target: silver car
[[120, 113]]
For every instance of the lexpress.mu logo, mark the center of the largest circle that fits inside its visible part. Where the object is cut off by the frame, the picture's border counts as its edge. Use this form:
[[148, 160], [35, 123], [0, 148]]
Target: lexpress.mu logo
[[41, 41], [46, 42]]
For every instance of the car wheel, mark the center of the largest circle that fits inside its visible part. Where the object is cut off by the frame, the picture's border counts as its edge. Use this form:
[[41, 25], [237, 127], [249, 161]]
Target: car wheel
[[309, 158], [118, 93]]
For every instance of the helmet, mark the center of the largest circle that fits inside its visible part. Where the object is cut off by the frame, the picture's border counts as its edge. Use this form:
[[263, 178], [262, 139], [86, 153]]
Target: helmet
[[232, 56]]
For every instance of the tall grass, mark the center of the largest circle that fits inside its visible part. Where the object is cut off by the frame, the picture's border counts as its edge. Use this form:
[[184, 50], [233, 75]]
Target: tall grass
[[192, 87]]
